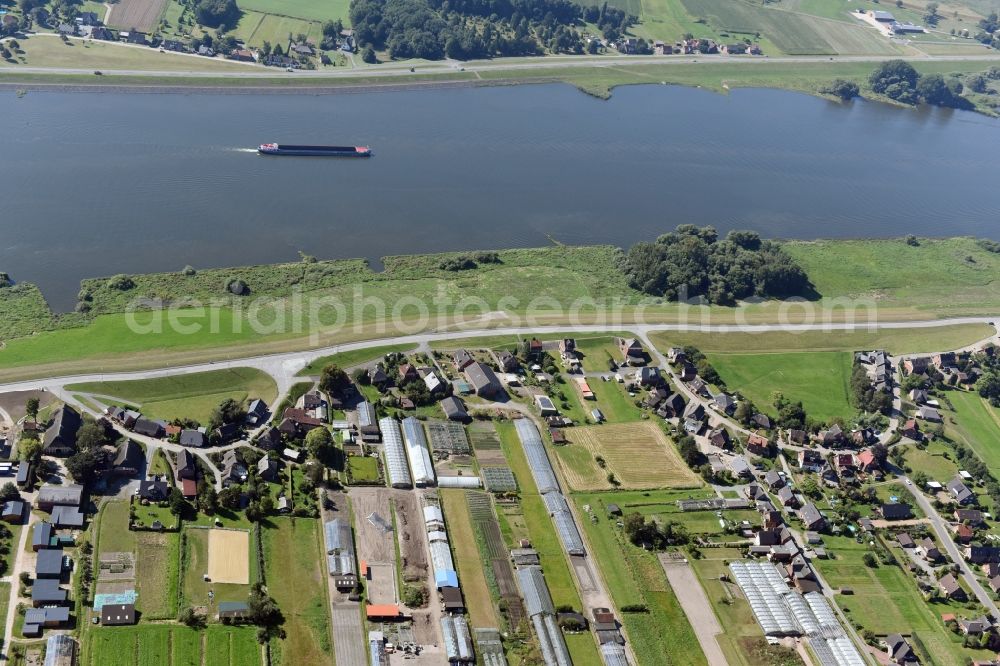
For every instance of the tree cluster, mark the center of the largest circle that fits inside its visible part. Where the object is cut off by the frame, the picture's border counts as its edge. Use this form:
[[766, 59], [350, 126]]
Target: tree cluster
[[693, 262], [465, 29], [845, 90], [865, 396], [898, 80], [217, 13], [651, 534]]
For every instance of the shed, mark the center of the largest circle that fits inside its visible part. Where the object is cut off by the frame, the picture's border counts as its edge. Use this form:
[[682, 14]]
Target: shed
[[118, 614]]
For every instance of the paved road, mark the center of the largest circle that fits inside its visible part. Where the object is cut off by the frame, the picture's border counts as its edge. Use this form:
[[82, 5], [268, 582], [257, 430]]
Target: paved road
[[944, 536], [513, 65]]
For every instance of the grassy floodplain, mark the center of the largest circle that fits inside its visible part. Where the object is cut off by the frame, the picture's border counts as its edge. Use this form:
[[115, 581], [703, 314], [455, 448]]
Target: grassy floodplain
[[350, 359], [50, 51], [106, 338], [191, 396]]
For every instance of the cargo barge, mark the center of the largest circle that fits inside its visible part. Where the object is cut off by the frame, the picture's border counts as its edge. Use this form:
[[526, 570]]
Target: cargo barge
[[314, 151]]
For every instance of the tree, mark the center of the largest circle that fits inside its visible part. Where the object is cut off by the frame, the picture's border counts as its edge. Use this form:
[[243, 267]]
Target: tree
[[229, 410], [896, 79], [31, 408], [934, 90], [334, 380], [931, 16], [84, 464], [368, 55], [188, 617], [320, 445], [208, 498], [229, 498], [29, 448], [869, 560], [90, 436], [216, 13], [977, 83], [178, 505], [9, 492], [262, 609]]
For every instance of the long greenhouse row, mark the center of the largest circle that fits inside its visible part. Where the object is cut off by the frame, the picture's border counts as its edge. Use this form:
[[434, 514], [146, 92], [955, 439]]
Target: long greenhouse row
[[548, 487]]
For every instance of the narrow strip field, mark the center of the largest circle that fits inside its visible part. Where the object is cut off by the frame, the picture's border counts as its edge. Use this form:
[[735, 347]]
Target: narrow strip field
[[470, 565], [169, 645], [298, 584]]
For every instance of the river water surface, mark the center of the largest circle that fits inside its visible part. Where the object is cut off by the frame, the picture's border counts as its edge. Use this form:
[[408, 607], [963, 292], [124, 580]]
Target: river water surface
[[99, 183]]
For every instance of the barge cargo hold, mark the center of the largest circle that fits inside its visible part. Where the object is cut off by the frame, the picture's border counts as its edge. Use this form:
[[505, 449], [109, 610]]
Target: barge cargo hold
[[314, 151]]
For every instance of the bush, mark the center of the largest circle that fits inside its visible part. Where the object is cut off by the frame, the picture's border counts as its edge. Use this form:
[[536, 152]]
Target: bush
[[414, 596], [189, 271], [5, 280], [988, 245], [461, 263], [845, 90], [237, 287], [121, 282]]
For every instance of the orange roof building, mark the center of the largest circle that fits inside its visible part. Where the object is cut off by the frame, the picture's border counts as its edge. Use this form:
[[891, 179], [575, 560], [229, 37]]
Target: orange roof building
[[382, 611]]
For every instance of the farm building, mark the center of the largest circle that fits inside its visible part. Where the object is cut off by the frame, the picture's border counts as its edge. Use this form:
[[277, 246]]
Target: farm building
[[459, 482], [538, 460], [457, 640], [454, 409], [376, 649], [50, 496], [395, 454], [368, 426], [566, 527], [117, 614], [417, 453], [433, 518], [490, 647], [539, 607], [60, 650], [613, 655], [441, 561], [340, 553]]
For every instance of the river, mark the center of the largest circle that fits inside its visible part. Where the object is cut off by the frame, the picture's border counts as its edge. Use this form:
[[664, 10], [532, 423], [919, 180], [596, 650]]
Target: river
[[100, 183]]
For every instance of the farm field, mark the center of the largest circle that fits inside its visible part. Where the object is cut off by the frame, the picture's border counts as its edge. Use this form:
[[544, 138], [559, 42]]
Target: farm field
[[821, 380], [885, 600], [191, 396], [311, 10], [639, 454], [156, 570], [141, 15], [467, 558], [255, 28], [169, 645], [634, 576], [792, 33], [349, 359], [978, 424], [196, 558], [297, 583], [46, 51]]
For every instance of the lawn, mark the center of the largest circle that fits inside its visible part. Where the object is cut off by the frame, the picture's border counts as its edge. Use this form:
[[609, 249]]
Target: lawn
[[893, 340], [821, 380], [364, 469], [885, 600], [597, 352], [634, 576], [936, 461], [467, 558], [192, 396], [613, 401], [939, 276], [45, 51], [297, 581], [349, 359], [114, 535], [638, 454], [255, 28], [978, 424], [195, 590], [169, 645]]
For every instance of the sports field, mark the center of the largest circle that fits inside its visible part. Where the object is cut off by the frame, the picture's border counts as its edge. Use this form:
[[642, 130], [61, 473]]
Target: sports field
[[195, 565], [821, 380], [639, 454], [229, 556], [192, 396]]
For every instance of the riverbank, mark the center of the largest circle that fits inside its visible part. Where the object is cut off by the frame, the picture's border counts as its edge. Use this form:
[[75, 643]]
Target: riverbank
[[863, 281], [595, 76]]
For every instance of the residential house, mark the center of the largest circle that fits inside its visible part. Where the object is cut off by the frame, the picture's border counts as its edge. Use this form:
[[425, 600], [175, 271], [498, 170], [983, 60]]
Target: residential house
[[88, 18], [154, 490], [758, 444], [233, 469], [960, 491], [928, 414], [799, 437], [724, 403], [973, 517], [60, 437], [810, 460], [694, 410], [234, 610], [632, 351], [508, 362], [740, 468], [929, 550], [867, 462], [910, 430], [648, 376], [919, 396], [774, 480], [257, 412], [454, 409], [981, 554], [483, 380], [227, 432], [812, 518], [193, 438], [129, 460], [242, 55], [762, 421], [832, 437], [899, 650], [102, 34], [673, 404], [896, 511], [964, 534], [916, 365], [787, 497], [462, 359], [267, 468], [951, 588], [687, 373], [720, 437], [368, 423], [975, 626], [148, 427], [378, 378], [905, 540], [185, 465]]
